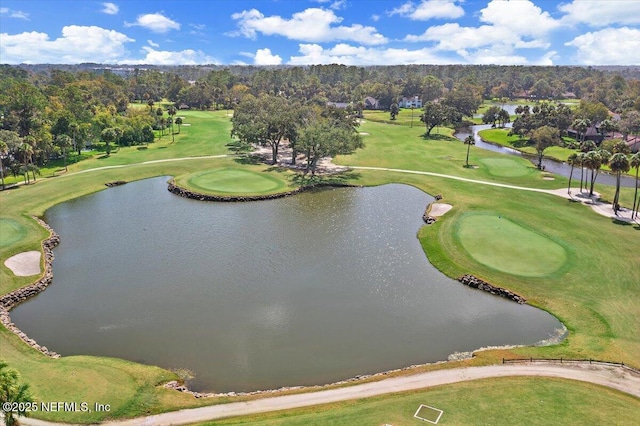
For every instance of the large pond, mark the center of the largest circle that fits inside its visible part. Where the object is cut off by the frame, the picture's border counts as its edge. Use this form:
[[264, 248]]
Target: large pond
[[303, 290]]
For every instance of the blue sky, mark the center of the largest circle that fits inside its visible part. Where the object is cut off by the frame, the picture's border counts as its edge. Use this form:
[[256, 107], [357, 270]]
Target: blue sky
[[300, 32]]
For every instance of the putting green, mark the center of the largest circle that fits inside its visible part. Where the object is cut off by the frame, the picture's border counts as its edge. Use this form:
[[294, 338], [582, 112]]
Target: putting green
[[10, 232], [505, 167], [501, 244], [235, 181]]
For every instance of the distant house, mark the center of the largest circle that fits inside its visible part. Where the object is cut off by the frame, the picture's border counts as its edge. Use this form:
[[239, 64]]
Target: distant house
[[371, 103], [592, 134], [339, 105], [633, 142], [413, 102], [184, 106]]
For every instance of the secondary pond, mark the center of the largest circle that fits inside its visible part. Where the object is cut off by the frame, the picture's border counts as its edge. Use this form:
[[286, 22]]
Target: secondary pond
[[304, 290]]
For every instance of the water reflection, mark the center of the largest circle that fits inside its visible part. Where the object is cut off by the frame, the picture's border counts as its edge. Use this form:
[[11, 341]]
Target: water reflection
[[304, 290]]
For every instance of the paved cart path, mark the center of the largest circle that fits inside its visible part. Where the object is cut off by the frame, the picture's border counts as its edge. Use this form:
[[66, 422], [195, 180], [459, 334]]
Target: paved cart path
[[612, 377]]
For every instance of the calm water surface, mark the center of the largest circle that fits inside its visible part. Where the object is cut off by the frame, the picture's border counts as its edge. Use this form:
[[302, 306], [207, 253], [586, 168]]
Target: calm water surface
[[304, 290]]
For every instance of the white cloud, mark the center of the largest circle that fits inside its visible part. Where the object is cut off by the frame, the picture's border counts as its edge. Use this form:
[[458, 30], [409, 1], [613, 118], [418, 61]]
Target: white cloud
[[611, 46], [375, 18], [359, 55], [77, 44], [312, 25], [152, 44], [601, 13], [110, 8], [14, 13], [507, 26], [429, 9], [522, 17], [265, 57], [164, 57], [156, 22], [338, 4]]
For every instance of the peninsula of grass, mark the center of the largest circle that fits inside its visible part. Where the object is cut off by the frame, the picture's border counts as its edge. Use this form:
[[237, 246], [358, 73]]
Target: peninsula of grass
[[501, 137], [594, 294], [231, 181]]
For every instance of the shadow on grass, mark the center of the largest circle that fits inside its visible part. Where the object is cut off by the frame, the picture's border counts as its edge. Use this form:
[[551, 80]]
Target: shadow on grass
[[248, 159], [616, 221], [239, 147], [276, 169], [343, 178], [438, 137]]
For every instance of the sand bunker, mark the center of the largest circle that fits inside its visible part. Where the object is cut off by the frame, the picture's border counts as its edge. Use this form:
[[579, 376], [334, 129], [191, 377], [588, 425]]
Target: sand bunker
[[24, 264], [438, 209]]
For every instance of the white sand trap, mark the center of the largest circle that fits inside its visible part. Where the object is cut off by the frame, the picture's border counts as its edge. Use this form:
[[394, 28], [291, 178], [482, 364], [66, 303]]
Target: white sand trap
[[24, 264], [549, 178], [364, 133], [186, 124], [439, 209]]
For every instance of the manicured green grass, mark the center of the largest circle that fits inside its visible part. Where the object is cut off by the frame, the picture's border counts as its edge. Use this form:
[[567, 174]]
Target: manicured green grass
[[595, 295], [499, 401], [506, 167], [404, 118], [236, 181], [501, 244], [11, 232], [501, 137]]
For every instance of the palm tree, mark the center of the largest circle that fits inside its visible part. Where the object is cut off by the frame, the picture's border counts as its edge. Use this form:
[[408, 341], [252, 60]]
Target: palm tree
[[468, 141], [572, 160], [593, 161], [618, 163], [26, 150], [64, 143], [73, 128], [178, 122], [581, 125], [635, 162], [4, 150], [13, 393], [580, 161], [172, 112], [608, 126]]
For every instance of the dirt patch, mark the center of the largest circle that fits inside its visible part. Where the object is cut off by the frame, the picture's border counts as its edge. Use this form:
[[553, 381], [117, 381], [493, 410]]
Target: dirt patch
[[24, 264]]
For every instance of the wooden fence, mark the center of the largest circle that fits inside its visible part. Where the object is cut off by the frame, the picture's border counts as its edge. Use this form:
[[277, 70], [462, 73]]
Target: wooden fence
[[571, 361]]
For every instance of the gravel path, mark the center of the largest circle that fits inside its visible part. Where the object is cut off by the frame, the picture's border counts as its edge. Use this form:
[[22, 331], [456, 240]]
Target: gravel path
[[612, 377]]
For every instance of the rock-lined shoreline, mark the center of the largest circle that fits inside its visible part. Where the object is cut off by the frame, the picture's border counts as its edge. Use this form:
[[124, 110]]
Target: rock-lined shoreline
[[475, 282], [14, 298], [186, 193], [426, 217]]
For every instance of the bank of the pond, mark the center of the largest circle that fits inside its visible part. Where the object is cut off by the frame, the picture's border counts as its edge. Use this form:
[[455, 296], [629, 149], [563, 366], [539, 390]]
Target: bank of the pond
[[186, 193]]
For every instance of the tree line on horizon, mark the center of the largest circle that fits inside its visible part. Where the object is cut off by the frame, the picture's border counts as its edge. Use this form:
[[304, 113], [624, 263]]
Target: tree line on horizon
[[55, 111]]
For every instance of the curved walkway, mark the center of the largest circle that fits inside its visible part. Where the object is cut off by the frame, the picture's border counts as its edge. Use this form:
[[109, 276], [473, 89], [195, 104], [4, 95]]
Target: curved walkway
[[613, 377]]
